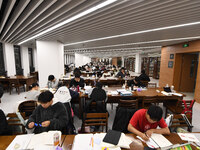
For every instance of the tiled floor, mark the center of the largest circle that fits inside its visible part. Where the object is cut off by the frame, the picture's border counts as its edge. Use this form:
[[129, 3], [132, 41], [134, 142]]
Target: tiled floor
[[10, 103]]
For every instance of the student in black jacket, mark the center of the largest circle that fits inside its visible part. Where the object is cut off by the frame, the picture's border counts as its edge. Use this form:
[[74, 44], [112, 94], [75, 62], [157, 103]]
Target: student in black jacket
[[77, 81], [48, 116], [122, 73], [136, 82], [144, 77]]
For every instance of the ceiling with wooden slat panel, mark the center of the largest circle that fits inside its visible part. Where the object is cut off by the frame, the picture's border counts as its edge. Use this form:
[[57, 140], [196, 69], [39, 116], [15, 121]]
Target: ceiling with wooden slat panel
[[23, 19]]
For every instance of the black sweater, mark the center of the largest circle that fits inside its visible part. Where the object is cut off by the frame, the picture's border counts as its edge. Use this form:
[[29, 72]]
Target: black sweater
[[56, 114], [80, 83]]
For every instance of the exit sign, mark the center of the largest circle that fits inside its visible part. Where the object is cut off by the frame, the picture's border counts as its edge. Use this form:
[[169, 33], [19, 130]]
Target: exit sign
[[185, 45]]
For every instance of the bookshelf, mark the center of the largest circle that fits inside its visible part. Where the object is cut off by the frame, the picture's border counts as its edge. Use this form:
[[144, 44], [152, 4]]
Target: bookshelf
[[151, 65]]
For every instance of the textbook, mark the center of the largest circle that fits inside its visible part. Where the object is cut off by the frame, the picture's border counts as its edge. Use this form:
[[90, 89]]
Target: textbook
[[95, 142], [34, 141]]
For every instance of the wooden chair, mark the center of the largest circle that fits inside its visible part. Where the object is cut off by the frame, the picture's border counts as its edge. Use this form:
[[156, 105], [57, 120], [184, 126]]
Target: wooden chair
[[27, 107], [14, 83], [179, 121], [95, 119], [133, 104], [13, 120], [151, 85], [147, 101], [174, 106]]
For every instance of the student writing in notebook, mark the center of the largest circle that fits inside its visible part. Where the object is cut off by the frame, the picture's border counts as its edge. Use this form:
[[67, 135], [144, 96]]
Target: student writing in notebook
[[145, 122], [48, 116]]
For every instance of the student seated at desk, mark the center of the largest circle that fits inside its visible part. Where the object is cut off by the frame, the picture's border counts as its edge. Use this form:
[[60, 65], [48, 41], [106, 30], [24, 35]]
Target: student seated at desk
[[52, 82], [77, 81], [48, 116], [33, 93], [144, 77], [136, 82], [145, 122], [121, 73]]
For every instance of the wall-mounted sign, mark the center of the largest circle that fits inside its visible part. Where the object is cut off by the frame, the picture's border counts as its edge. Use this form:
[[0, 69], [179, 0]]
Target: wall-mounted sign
[[170, 64], [171, 56], [185, 45]]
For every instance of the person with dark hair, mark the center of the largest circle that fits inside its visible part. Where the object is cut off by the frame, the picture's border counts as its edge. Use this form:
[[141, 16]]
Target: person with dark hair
[[145, 122], [77, 81], [144, 76], [136, 82], [52, 82], [33, 93], [121, 73], [4, 128], [48, 116]]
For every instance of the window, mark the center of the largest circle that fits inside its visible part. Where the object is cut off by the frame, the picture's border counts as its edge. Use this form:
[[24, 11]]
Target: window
[[18, 64], [2, 65], [30, 55]]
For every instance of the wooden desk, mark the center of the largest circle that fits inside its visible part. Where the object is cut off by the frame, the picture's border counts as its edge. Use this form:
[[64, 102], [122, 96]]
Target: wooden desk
[[135, 94], [173, 138], [23, 79], [6, 140]]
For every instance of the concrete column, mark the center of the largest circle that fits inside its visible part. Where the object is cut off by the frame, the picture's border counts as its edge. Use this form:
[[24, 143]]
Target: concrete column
[[122, 61], [81, 60], [9, 59], [138, 63], [50, 60]]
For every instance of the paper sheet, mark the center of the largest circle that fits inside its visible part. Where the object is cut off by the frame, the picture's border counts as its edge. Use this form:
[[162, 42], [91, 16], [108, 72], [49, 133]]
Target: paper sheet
[[161, 140], [188, 137], [149, 143], [20, 142]]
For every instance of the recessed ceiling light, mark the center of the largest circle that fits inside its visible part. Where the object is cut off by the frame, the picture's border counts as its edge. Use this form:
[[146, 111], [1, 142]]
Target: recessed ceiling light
[[88, 11]]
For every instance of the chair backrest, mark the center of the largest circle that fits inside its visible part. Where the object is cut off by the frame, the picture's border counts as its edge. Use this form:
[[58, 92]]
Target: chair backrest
[[27, 107], [148, 101], [13, 120], [14, 82], [187, 106], [179, 121], [133, 104], [95, 119]]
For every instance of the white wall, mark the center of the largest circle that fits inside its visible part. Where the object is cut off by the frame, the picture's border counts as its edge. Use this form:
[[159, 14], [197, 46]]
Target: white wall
[[50, 60], [9, 59], [25, 60], [81, 60]]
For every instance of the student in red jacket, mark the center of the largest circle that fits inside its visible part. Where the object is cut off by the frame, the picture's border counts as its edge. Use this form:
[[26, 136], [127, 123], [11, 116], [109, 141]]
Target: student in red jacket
[[145, 122]]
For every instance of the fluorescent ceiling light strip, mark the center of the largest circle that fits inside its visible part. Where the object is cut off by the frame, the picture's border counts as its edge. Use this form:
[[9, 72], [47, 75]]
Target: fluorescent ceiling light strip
[[90, 10], [148, 42], [134, 33]]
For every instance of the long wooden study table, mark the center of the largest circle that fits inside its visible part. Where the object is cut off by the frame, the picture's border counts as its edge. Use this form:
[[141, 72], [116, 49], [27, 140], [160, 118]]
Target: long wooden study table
[[67, 140], [153, 92], [28, 80]]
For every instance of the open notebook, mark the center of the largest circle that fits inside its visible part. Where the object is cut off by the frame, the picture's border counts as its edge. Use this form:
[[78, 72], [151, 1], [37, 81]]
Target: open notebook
[[34, 141], [158, 141], [95, 142]]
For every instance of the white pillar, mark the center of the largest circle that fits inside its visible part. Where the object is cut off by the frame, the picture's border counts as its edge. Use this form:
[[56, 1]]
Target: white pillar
[[50, 60], [9, 59], [25, 60], [122, 61], [81, 60], [138, 62]]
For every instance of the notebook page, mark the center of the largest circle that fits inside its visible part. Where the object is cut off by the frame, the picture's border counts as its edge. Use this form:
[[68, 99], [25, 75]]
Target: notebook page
[[161, 140]]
